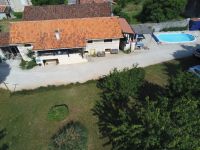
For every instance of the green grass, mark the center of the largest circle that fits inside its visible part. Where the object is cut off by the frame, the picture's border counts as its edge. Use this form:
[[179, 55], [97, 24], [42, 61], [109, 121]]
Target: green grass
[[133, 10], [58, 112], [24, 114]]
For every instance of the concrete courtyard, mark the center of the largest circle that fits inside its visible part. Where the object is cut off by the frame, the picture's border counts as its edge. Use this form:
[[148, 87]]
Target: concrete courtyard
[[18, 79]]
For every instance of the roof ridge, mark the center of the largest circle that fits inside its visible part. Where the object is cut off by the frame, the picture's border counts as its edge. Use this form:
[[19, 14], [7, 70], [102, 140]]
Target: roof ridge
[[71, 19]]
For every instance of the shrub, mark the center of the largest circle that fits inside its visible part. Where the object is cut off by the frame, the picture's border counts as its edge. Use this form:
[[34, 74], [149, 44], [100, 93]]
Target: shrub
[[73, 136], [175, 29], [58, 112], [28, 64], [18, 15]]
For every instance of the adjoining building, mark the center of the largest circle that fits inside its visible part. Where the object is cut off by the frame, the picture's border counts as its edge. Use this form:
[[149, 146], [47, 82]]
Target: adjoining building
[[51, 12], [70, 2], [127, 43], [65, 41], [16, 5], [5, 12], [194, 24]]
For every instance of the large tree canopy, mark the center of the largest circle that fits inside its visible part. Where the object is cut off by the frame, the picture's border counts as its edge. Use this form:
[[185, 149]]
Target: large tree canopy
[[47, 2], [170, 121], [162, 10]]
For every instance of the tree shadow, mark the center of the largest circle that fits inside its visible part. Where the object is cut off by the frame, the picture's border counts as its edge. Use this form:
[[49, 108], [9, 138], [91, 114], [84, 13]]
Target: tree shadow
[[182, 63], [3, 133], [150, 90], [4, 71]]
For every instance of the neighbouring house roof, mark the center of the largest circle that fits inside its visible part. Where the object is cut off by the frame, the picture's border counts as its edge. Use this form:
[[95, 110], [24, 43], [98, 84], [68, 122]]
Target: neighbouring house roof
[[126, 28], [4, 39], [3, 2], [93, 1], [72, 33], [3, 8], [195, 19], [50, 12]]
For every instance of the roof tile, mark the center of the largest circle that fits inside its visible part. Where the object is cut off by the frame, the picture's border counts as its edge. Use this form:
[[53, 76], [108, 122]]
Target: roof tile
[[73, 32]]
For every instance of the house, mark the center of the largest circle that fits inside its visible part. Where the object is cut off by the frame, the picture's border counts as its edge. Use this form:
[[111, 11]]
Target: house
[[70, 2], [5, 12], [64, 41], [16, 5], [127, 43], [51, 12]]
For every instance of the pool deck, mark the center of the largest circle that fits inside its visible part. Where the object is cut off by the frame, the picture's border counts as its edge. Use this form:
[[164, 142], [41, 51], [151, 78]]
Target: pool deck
[[18, 79]]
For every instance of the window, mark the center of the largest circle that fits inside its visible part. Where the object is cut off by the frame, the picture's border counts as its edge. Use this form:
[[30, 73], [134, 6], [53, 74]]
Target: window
[[90, 41], [108, 40]]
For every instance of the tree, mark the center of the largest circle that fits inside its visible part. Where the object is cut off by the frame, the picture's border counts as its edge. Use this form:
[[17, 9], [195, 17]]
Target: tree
[[162, 10], [171, 121], [47, 2]]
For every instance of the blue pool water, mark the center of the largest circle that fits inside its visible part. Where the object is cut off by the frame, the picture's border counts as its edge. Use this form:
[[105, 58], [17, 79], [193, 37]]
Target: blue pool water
[[174, 37]]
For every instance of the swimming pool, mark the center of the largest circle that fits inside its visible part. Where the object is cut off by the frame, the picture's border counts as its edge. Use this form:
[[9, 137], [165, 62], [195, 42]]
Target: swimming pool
[[174, 37]]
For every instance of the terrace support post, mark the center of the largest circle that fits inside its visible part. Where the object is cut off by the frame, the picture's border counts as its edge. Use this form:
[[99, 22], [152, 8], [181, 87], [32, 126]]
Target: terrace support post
[[82, 52]]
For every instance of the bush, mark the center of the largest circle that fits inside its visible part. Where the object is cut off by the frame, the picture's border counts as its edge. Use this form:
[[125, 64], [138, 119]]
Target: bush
[[18, 15], [58, 112], [175, 29], [28, 64], [73, 136]]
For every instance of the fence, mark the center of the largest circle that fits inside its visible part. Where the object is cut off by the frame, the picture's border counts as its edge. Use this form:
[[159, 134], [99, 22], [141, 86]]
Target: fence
[[160, 26]]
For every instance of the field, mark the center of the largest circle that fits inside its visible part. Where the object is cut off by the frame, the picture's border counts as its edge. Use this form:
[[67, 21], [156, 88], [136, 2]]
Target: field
[[24, 115]]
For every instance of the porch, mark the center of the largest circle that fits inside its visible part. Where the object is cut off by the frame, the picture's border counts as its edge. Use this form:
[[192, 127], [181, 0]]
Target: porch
[[60, 56]]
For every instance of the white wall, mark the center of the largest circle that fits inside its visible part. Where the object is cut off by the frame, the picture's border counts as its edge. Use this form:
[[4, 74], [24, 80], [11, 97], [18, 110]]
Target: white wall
[[18, 5], [1, 54], [100, 45], [23, 51], [63, 59], [3, 16]]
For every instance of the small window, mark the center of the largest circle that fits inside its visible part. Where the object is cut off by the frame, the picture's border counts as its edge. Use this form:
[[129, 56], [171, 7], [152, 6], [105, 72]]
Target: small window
[[90, 41], [27, 45], [108, 40]]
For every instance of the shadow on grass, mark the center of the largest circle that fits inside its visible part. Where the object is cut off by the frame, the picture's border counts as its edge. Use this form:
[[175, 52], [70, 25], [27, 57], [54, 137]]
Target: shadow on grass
[[182, 64], [150, 90], [3, 133]]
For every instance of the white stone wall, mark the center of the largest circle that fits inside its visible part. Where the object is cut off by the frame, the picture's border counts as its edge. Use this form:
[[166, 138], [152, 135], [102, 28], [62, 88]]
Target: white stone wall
[[18, 5], [3, 16], [62, 59], [23, 51], [1, 54], [100, 45]]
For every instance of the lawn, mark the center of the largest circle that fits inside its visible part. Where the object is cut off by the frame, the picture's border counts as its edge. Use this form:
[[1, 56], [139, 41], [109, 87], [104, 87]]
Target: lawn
[[24, 116], [133, 10]]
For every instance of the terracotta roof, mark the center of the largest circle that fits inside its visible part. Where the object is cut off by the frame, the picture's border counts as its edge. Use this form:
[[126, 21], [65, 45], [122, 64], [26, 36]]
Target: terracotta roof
[[4, 38], [50, 12], [126, 28], [2, 8], [73, 32], [93, 1], [195, 19]]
